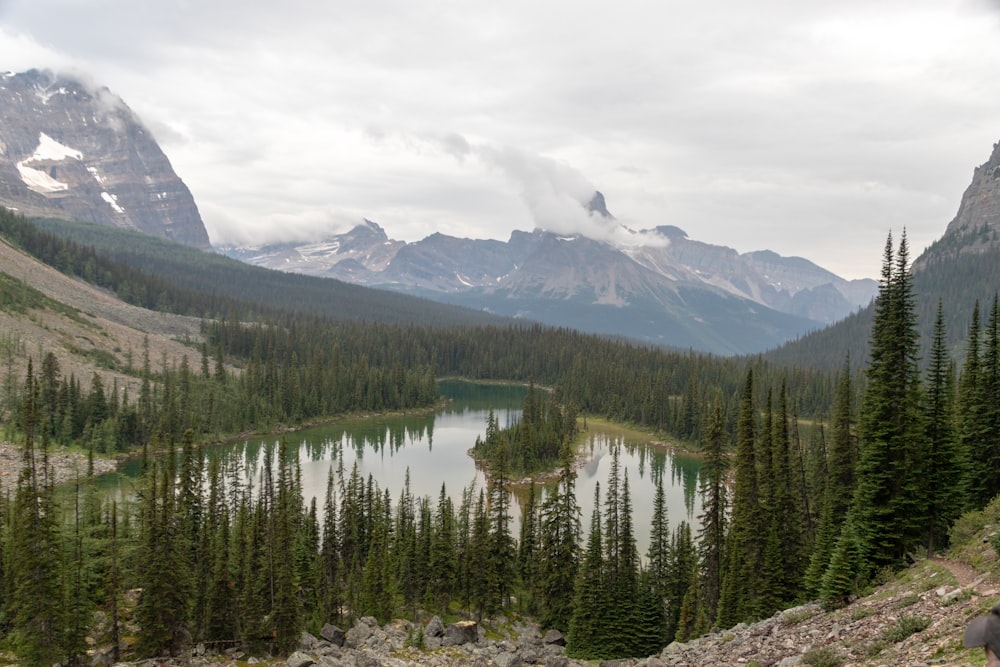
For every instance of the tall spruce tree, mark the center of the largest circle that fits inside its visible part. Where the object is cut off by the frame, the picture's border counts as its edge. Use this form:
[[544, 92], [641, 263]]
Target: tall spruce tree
[[589, 635], [714, 505], [972, 427], [37, 606], [739, 597], [944, 467], [839, 489], [889, 505], [559, 548]]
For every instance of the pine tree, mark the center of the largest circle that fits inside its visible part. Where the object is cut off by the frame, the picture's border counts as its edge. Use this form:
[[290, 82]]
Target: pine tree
[[287, 504], [841, 578], [560, 545], [683, 570], [713, 490], [330, 598], [889, 505], [944, 467], [527, 552], [739, 597], [840, 487], [441, 571], [972, 426], [658, 557], [589, 636], [162, 612], [37, 601], [987, 452]]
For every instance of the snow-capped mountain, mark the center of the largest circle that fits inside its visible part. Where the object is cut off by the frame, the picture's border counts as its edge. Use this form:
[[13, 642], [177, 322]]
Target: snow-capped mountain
[[660, 287], [74, 152]]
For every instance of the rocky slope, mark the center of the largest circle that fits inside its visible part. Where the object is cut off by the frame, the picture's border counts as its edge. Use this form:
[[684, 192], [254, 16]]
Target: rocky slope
[[70, 151], [89, 330], [916, 619]]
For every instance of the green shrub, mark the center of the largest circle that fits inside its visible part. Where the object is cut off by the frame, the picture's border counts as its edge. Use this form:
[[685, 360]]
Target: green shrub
[[904, 627], [822, 657]]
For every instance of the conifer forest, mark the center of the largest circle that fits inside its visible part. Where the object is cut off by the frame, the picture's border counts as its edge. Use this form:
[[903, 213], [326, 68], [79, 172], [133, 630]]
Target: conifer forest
[[813, 482]]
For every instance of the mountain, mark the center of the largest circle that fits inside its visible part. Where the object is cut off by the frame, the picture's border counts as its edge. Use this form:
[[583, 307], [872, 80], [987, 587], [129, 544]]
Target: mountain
[[164, 275], [657, 286], [71, 151], [959, 270]]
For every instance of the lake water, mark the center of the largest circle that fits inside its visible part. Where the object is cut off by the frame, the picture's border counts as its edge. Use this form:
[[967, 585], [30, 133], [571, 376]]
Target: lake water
[[434, 448]]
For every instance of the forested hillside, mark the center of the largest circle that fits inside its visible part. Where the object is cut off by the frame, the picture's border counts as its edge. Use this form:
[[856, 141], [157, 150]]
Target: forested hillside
[[165, 276], [836, 477]]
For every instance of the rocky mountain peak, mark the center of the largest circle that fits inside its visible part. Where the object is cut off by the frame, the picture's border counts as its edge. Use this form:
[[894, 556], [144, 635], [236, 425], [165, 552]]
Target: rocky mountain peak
[[978, 217], [74, 151], [599, 206]]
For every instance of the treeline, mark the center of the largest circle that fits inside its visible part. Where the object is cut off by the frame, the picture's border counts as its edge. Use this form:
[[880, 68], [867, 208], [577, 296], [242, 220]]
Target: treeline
[[275, 387]]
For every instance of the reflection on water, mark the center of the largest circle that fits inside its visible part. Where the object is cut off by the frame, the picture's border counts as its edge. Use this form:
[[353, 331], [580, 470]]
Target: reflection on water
[[434, 449]]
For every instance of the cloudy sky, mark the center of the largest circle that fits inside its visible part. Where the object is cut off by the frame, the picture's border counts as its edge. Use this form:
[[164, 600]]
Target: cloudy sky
[[811, 129]]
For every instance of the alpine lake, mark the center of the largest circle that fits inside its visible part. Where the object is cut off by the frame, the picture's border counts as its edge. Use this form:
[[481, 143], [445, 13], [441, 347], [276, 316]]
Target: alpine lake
[[433, 448]]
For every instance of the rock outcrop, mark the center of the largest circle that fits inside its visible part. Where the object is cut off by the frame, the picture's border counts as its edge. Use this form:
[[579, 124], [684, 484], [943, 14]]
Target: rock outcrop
[[71, 151], [979, 212]]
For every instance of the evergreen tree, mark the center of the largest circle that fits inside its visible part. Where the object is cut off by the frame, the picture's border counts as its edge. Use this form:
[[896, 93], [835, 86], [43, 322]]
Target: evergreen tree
[[840, 487], [285, 611], [739, 597], [37, 601], [713, 490], [658, 557], [162, 612], [972, 427], [441, 572], [330, 554], [889, 505], [683, 570], [527, 552], [560, 544], [944, 467], [589, 637]]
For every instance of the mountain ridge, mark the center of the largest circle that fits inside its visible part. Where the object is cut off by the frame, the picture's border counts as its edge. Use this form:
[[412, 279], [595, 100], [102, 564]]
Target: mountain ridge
[[656, 285], [77, 152]]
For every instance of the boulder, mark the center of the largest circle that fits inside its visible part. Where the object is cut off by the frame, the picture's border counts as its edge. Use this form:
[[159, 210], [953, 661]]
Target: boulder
[[462, 632], [434, 628], [306, 641], [554, 638], [332, 634], [356, 636], [507, 660], [299, 659]]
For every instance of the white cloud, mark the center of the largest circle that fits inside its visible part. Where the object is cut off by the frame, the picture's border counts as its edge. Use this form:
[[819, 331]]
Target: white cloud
[[810, 129]]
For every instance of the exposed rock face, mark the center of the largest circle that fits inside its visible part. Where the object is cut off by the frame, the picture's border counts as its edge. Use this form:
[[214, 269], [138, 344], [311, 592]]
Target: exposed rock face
[[71, 152], [976, 226], [980, 207]]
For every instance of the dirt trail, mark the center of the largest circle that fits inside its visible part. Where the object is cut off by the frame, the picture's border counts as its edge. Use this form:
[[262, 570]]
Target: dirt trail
[[964, 574]]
